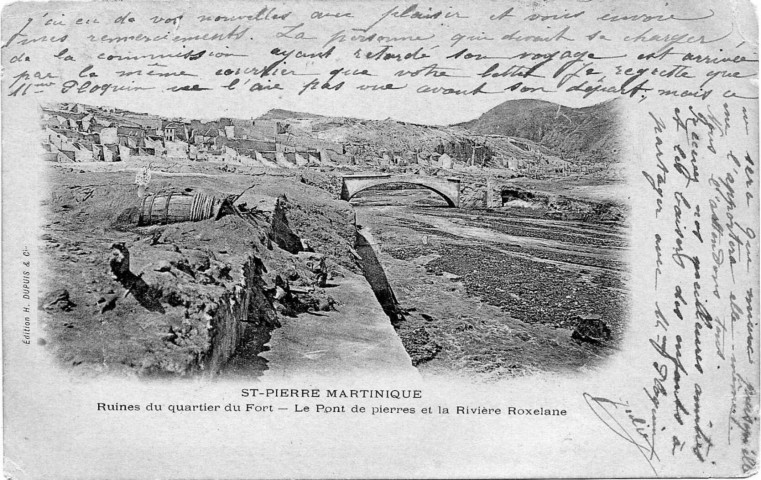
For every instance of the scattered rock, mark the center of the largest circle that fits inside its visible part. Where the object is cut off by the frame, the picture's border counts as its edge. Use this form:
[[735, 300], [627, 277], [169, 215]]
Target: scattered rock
[[524, 336], [170, 336], [107, 302], [206, 279], [280, 230], [326, 304], [316, 264], [163, 266], [58, 299], [183, 266], [155, 237], [292, 274], [149, 366], [198, 260], [119, 261], [269, 281], [420, 346], [265, 240], [220, 270], [590, 328]]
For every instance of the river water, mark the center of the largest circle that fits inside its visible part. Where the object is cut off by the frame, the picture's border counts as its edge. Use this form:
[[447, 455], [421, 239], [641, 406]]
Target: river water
[[495, 293]]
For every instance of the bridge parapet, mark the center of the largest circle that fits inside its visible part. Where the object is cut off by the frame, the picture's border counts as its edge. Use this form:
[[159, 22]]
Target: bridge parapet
[[369, 175]]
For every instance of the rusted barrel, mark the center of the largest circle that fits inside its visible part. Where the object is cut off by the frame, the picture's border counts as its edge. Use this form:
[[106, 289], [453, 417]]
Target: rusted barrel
[[166, 208]]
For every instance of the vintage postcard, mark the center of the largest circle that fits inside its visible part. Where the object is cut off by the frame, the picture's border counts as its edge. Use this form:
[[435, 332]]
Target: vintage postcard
[[378, 239]]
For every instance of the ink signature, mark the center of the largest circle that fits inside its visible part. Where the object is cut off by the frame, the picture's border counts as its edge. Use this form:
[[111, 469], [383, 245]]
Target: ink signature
[[618, 417]]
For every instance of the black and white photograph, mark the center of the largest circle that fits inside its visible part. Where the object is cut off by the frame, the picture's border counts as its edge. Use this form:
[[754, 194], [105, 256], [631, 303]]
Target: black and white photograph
[[489, 249], [354, 239]]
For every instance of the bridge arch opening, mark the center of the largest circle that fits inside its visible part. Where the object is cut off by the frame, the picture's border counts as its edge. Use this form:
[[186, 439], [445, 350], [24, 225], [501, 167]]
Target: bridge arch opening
[[401, 185]]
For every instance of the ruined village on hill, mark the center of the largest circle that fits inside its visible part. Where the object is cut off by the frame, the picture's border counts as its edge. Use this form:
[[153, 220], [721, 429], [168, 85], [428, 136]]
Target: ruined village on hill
[[281, 139]]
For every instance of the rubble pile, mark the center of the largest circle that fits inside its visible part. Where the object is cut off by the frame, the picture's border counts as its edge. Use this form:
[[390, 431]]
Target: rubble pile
[[183, 297]]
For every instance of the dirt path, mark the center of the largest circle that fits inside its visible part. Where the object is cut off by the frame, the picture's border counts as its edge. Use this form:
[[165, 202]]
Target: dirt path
[[356, 339]]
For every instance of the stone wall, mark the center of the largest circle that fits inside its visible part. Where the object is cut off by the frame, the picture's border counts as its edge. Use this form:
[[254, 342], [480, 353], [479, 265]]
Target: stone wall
[[477, 193], [472, 194]]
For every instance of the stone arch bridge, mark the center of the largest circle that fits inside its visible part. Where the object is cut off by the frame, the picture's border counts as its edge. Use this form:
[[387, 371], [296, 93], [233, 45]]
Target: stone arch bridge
[[448, 188]]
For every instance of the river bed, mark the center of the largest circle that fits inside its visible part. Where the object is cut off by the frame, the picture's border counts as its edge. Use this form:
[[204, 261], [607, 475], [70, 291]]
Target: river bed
[[495, 293]]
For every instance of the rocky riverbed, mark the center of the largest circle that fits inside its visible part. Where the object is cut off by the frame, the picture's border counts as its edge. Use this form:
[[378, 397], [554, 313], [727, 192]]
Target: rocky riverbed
[[497, 293]]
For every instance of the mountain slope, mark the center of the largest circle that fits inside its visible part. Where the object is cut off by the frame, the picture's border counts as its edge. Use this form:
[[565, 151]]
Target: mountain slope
[[280, 114], [583, 135], [369, 140]]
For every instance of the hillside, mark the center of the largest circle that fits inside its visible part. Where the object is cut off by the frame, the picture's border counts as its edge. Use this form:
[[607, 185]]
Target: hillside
[[523, 135], [367, 141], [280, 114], [581, 135], [526, 137]]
